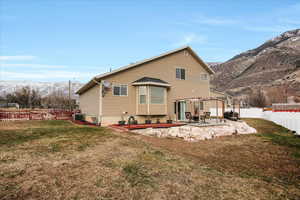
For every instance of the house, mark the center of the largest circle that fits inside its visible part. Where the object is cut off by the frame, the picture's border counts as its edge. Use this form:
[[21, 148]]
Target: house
[[9, 105], [228, 99], [147, 89]]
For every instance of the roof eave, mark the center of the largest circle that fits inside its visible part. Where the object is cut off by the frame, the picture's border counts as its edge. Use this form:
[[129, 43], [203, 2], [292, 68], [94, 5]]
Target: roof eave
[[209, 69], [87, 86], [151, 83]]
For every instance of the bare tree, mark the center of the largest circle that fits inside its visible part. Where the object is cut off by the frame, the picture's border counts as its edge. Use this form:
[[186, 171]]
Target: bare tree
[[57, 99], [258, 99], [25, 97], [277, 95]]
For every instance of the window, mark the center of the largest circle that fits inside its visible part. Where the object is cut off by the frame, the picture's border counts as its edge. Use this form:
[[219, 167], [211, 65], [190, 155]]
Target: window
[[157, 95], [203, 77], [180, 73], [120, 90], [142, 94], [201, 105]]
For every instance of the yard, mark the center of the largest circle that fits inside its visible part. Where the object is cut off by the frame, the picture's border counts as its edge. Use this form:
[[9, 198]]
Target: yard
[[60, 160]]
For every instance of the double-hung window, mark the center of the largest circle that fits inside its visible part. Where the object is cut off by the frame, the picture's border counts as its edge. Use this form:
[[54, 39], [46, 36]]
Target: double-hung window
[[203, 77], [143, 94], [120, 90], [180, 73]]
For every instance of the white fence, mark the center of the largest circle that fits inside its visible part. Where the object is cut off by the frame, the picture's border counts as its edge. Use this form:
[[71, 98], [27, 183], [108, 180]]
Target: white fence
[[290, 120]]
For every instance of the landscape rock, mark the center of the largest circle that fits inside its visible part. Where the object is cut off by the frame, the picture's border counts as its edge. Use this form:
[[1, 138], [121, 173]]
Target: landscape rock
[[195, 133]]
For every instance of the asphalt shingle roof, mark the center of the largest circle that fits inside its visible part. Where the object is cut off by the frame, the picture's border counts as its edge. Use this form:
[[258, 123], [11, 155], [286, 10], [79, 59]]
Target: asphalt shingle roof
[[149, 79]]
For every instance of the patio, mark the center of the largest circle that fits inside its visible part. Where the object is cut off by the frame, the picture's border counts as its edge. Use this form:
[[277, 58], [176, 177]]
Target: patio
[[192, 109]]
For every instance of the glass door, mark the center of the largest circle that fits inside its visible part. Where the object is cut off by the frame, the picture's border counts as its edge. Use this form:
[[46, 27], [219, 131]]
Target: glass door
[[182, 110]]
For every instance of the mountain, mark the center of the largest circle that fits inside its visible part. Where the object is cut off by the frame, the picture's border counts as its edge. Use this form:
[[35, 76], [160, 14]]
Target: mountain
[[273, 64], [44, 88], [214, 65]]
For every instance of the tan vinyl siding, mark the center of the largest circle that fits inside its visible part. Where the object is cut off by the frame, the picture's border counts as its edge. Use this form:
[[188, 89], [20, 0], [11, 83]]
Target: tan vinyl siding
[[89, 101], [164, 69]]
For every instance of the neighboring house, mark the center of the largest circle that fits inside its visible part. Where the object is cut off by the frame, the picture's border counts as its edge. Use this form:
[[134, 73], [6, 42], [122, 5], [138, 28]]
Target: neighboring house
[[228, 99], [147, 89], [10, 105]]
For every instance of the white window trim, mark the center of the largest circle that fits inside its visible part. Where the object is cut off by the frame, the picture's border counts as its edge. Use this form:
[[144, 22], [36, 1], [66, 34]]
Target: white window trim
[[185, 70], [119, 85], [201, 78]]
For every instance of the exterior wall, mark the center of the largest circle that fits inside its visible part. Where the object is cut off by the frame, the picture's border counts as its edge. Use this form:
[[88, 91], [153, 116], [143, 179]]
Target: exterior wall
[[89, 103], [164, 69], [213, 104]]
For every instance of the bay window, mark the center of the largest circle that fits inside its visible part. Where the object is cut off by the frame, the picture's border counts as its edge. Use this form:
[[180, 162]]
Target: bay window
[[157, 95]]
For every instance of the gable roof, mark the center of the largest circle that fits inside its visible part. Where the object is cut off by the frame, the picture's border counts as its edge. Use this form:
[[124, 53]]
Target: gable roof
[[97, 78]]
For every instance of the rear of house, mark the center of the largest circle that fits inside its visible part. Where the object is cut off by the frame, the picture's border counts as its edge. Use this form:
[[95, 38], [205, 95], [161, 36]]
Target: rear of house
[[147, 89]]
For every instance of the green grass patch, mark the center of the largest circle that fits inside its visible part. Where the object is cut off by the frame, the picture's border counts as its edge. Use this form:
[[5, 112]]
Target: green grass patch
[[136, 174], [54, 147], [52, 130], [276, 134], [285, 139]]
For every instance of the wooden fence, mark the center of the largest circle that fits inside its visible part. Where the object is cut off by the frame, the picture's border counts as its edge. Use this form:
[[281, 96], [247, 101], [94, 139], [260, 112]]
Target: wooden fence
[[36, 114], [286, 107]]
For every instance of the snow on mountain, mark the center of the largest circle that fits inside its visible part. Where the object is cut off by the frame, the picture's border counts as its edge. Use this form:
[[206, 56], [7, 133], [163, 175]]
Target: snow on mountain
[[44, 88]]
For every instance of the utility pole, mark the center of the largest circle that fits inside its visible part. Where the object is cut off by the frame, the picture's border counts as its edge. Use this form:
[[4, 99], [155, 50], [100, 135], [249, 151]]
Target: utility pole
[[70, 107], [29, 96]]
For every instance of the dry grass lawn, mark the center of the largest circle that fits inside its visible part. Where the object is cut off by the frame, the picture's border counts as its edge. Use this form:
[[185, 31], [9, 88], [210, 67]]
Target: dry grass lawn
[[60, 160]]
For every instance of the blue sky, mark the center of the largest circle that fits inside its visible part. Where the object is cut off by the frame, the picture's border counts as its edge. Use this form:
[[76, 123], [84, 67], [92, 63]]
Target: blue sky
[[57, 40]]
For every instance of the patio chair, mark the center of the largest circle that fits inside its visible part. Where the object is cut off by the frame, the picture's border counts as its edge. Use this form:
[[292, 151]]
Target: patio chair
[[207, 115], [188, 115], [202, 116]]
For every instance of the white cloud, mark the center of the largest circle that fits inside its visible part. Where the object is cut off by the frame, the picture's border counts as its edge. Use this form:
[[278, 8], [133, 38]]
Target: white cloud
[[189, 39], [13, 58], [215, 21], [46, 74], [39, 66]]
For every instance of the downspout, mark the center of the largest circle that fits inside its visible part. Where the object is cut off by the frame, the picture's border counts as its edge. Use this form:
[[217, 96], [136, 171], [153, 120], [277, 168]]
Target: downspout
[[100, 102]]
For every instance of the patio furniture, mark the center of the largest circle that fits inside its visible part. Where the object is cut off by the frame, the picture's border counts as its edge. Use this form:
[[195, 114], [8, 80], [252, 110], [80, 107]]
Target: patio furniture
[[207, 115], [188, 115], [202, 116]]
